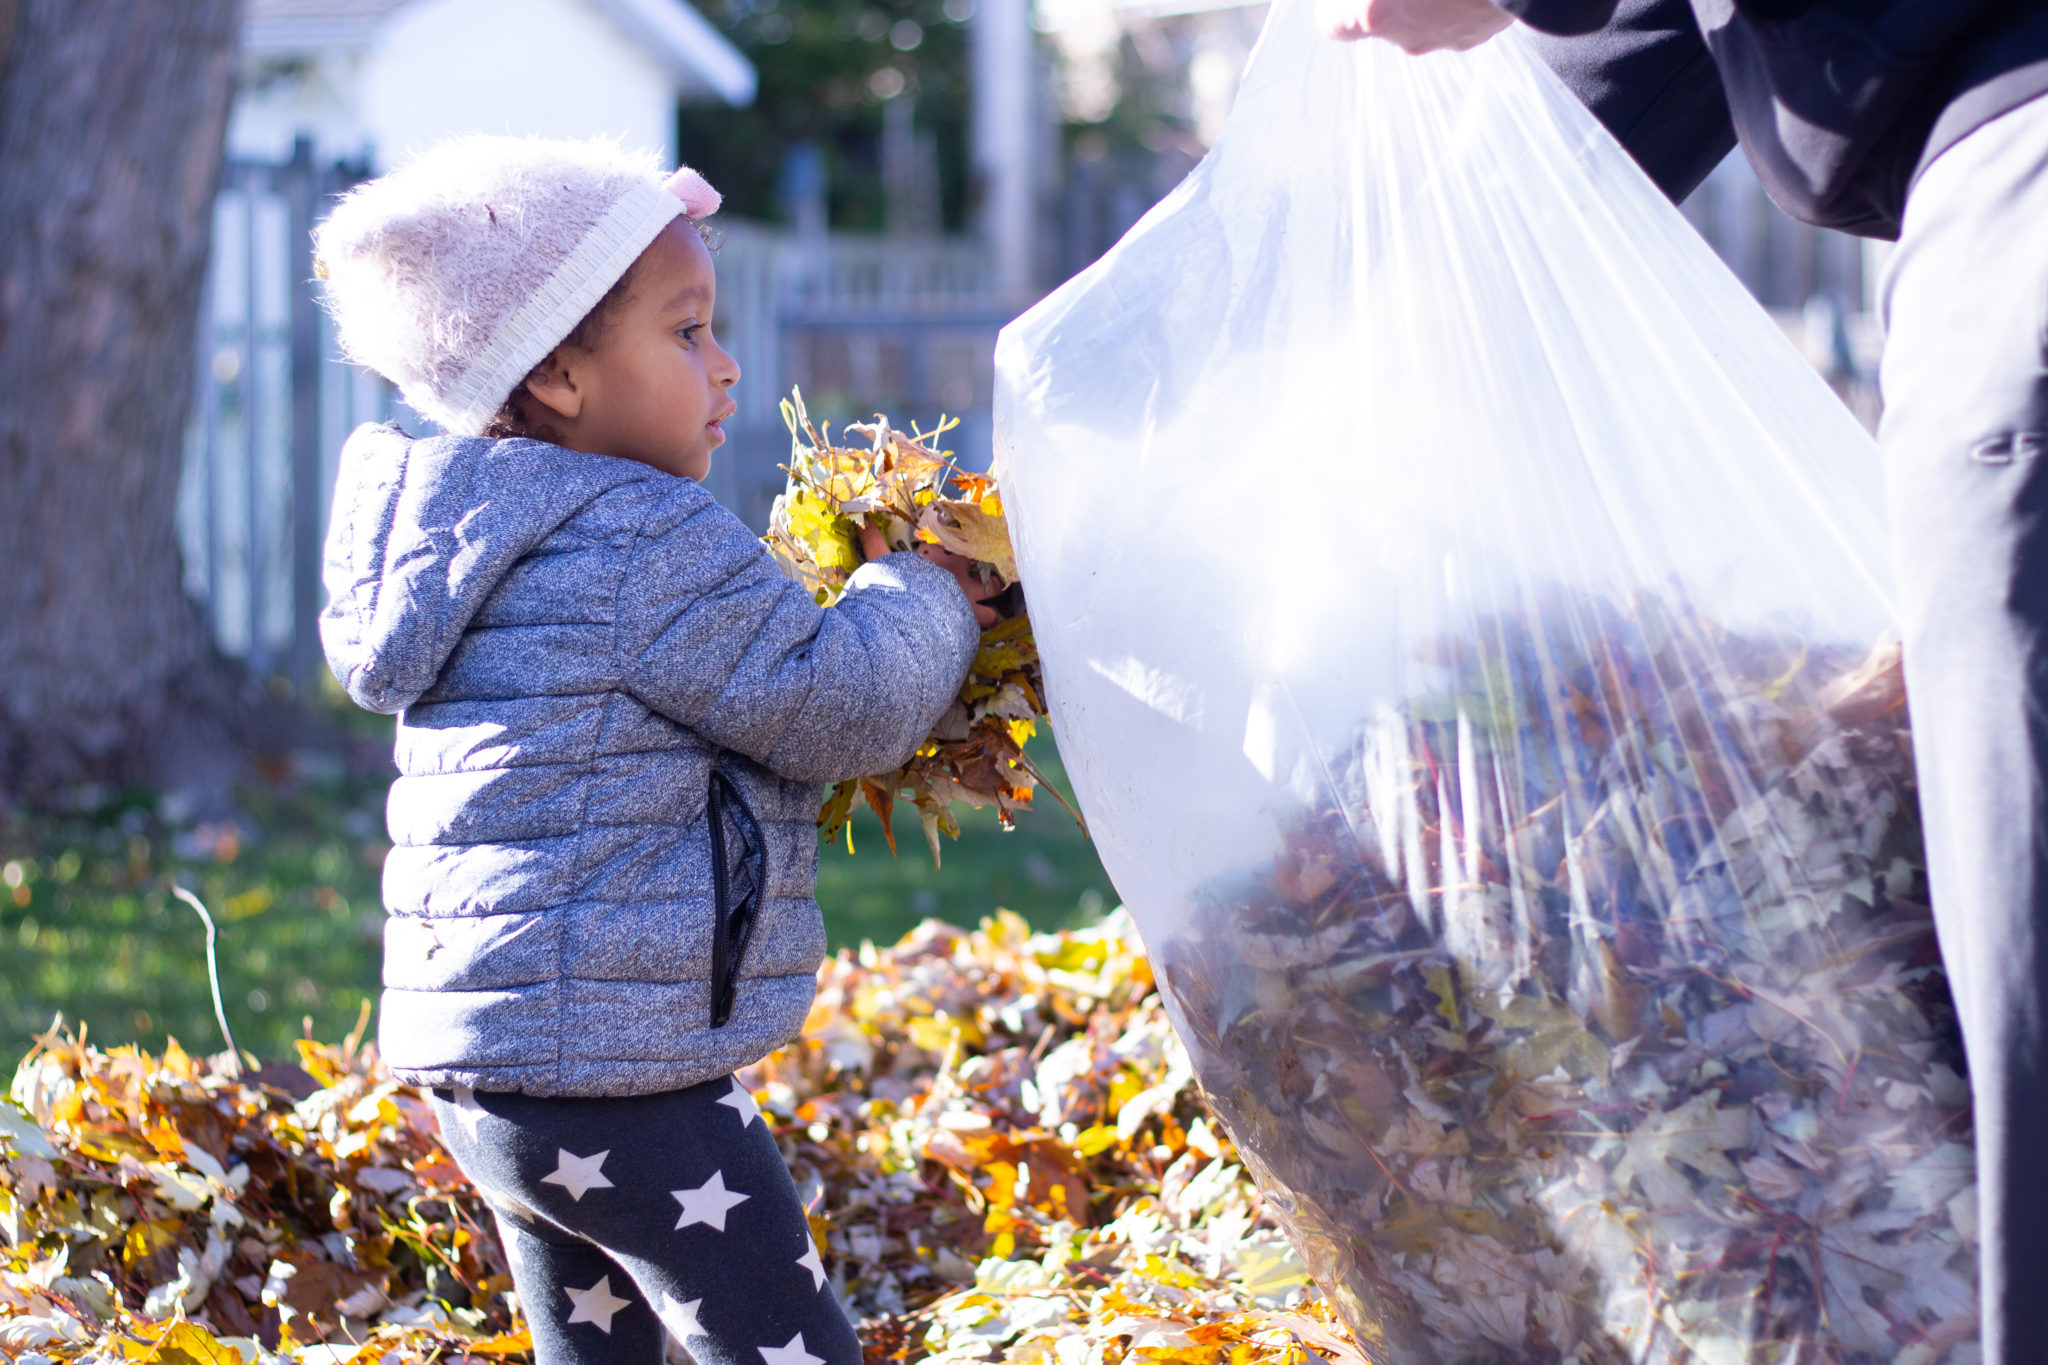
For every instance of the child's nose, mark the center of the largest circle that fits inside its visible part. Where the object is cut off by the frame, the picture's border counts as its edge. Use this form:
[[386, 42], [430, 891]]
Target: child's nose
[[725, 370]]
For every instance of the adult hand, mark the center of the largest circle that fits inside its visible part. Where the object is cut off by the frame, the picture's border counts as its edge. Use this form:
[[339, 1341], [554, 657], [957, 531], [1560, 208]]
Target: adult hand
[[873, 546], [1414, 25]]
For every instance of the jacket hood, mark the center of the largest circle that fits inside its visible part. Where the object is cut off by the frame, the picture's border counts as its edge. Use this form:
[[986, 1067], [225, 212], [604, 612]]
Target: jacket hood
[[422, 533]]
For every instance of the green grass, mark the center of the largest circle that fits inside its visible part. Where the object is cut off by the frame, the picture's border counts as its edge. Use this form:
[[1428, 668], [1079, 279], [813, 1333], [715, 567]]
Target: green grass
[[1045, 870], [88, 927]]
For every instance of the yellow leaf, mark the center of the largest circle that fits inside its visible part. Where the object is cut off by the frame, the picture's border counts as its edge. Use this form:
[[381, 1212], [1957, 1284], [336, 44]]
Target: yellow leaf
[[837, 810], [843, 476], [316, 1062], [1182, 1355], [511, 1343], [184, 1343], [827, 536], [1005, 647], [146, 1237], [972, 531], [103, 1144], [1095, 1141], [1154, 1267], [931, 1034], [169, 1143], [1270, 1272], [1445, 989]]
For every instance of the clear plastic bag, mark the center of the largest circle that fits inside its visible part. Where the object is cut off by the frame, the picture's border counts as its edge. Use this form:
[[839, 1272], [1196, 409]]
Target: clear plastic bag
[[1464, 623]]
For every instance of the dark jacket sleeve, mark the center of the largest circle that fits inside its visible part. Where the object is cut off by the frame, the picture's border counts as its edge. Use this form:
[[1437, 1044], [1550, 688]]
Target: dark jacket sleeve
[[1561, 16], [1643, 69]]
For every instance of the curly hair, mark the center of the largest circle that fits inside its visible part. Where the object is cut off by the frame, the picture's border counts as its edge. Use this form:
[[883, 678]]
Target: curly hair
[[516, 415]]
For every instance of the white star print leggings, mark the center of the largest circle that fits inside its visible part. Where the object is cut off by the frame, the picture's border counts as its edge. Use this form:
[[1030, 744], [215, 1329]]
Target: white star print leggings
[[632, 1220]]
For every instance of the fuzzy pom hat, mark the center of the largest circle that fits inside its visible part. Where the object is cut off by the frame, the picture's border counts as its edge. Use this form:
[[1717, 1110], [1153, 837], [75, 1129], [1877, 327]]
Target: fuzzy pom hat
[[456, 274]]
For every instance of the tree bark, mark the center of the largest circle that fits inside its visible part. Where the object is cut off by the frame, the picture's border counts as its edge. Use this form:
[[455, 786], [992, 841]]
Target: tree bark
[[112, 121]]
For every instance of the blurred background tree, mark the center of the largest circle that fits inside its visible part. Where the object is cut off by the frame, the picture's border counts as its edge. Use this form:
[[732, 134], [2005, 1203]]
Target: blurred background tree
[[860, 101], [112, 118]]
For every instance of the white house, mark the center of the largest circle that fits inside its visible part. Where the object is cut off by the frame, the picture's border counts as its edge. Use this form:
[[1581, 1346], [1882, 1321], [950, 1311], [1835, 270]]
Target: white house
[[377, 78]]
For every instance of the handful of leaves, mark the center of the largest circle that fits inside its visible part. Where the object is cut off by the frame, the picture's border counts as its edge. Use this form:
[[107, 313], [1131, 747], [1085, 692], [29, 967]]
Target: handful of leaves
[[1592, 1011], [910, 491]]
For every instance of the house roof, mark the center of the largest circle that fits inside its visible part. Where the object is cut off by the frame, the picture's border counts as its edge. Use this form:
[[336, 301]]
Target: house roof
[[297, 25], [697, 55], [685, 42]]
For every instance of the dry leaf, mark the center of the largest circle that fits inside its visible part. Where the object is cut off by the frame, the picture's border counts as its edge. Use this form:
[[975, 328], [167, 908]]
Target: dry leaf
[[909, 490], [958, 1219]]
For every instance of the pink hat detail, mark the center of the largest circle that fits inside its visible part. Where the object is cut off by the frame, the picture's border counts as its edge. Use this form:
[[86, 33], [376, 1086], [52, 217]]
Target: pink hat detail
[[699, 199]]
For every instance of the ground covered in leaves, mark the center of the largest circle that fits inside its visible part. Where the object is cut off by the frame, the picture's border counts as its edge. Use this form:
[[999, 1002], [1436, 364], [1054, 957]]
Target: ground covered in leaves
[[996, 1132]]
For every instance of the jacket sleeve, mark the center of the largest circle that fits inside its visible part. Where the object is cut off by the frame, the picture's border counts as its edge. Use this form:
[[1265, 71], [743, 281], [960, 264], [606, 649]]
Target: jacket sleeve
[[1645, 72], [713, 636], [1561, 16]]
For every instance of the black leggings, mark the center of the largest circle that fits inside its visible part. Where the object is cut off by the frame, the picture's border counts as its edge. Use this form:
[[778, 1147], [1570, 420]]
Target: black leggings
[[629, 1218]]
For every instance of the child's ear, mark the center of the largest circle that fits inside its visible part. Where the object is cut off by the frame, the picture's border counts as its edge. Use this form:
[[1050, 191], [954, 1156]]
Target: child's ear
[[553, 385]]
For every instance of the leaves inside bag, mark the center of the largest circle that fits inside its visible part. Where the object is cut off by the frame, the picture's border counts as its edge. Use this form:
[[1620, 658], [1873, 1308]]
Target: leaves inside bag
[[1592, 1010]]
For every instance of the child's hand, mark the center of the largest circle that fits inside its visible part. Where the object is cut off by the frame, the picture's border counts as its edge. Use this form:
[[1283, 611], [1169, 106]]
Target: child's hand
[[873, 546], [962, 569]]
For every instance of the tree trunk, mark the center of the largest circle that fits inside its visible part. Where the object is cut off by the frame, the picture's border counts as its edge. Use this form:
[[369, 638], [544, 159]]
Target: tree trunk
[[112, 120]]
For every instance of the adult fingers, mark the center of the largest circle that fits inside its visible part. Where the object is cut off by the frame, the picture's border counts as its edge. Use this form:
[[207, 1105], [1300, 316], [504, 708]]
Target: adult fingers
[[1342, 19]]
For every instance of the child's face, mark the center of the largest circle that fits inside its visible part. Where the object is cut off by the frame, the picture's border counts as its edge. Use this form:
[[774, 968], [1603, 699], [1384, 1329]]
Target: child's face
[[654, 388]]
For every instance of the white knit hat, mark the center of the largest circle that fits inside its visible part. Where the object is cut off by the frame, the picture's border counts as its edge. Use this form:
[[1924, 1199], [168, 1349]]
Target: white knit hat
[[456, 274]]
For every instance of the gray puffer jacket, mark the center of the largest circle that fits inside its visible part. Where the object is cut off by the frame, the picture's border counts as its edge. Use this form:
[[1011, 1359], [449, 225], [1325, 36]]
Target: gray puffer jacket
[[580, 649]]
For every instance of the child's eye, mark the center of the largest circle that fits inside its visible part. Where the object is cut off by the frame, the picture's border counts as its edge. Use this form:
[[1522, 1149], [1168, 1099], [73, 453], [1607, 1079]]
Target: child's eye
[[688, 332]]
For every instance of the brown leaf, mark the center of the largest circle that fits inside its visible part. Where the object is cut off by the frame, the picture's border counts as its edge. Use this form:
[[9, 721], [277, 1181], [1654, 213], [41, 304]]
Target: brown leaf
[[972, 531]]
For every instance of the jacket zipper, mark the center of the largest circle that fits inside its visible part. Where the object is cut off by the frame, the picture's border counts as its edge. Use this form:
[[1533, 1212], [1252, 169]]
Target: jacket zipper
[[731, 925]]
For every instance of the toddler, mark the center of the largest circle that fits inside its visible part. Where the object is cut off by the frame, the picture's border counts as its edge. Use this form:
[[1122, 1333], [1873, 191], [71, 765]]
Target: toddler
[[614, 717]]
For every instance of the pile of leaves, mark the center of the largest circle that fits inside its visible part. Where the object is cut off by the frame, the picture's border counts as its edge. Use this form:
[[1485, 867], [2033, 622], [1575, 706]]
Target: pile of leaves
[[913, 492], [996, 1133], [1592, 1011], [164, 1204]]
